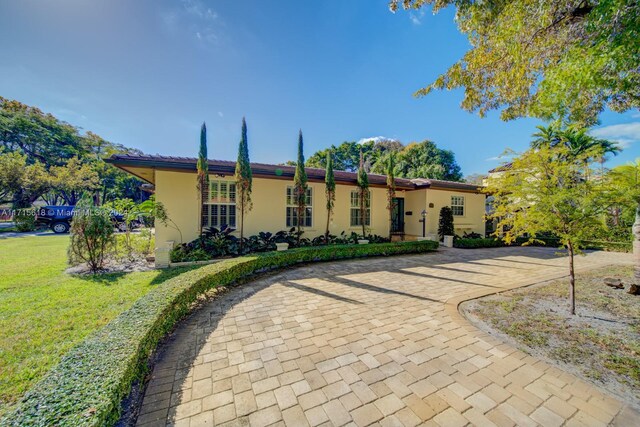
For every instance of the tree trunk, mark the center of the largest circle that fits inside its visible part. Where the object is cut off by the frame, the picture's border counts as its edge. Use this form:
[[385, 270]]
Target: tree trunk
[[636, 246], [326, 232], [242, 222], [572, 281]]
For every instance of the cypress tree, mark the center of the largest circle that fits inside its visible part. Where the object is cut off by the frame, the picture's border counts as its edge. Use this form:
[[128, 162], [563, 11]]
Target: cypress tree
[[300, 185], [330, 191], [391, 188], [363, 193], [244, 179], [203, 172]]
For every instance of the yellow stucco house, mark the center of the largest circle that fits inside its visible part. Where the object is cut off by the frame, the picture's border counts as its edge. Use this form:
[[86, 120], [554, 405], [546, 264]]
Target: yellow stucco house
[[174, 179]]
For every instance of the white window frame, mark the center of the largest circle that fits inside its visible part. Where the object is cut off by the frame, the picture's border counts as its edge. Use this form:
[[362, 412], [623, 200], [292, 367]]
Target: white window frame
[[354, 210], [219, 207], [457, 205], [291, 211]]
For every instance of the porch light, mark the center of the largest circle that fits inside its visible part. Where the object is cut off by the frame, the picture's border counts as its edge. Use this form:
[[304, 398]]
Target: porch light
[[423, 214]]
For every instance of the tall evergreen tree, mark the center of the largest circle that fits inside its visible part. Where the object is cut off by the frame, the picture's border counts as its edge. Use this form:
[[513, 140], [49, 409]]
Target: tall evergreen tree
[[244, 179], [203, 172], [391, 188], [300, 185], [363, 193], [330, 191]]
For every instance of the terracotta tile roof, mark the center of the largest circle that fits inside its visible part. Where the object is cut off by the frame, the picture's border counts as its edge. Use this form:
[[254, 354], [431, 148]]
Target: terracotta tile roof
[[262, 169]]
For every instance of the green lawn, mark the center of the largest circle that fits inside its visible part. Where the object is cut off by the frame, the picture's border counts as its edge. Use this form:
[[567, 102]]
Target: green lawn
[[44, 312]]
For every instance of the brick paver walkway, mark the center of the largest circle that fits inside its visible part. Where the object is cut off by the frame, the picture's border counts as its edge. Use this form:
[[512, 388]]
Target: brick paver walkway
[[374, 341]]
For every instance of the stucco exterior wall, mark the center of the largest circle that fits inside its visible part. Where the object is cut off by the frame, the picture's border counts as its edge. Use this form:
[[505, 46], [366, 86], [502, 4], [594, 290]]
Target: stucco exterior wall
[[414, 202], [474, 209], [177, 191]]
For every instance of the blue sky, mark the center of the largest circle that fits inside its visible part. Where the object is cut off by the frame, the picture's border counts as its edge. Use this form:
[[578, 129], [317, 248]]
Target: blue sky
[[147, 73]]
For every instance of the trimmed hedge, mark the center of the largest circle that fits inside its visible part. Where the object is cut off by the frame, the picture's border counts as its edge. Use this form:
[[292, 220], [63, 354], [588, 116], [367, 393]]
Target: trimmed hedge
[[551, 242], [87, 386]]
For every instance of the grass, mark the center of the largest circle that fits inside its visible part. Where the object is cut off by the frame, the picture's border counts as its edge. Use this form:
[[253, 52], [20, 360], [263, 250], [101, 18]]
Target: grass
[[601, 343], [44, 312]]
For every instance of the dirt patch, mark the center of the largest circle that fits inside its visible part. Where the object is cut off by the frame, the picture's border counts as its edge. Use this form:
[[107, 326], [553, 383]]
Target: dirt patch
[[127, 266], [601, 343]]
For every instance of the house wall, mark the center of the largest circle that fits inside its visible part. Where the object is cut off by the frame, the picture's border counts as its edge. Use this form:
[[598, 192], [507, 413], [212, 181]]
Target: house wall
[[473, 219], [177, 191], [414, 202]]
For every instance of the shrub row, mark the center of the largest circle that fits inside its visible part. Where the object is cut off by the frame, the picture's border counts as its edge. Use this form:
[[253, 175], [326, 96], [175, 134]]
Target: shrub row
[[543, 241], [87, 386], [217, 243]]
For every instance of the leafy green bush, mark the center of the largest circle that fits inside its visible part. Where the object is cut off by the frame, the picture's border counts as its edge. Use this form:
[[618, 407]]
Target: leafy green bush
[[25, 220], [609, 246], [87, 386], [218, 243], [91, 240], [477, 243]]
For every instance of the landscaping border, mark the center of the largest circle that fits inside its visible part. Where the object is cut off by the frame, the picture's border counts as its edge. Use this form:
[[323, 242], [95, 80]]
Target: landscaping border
[[87, 386], [492, 242]]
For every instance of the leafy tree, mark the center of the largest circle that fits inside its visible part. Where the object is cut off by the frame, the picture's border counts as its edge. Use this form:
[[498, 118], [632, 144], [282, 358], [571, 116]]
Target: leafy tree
[[363, 194], [39, 136], [300, 186], [330, 191], [546, 191], [445, 224], [574, 137], [21, 183], [626, 191], [549, 59], [423, 160], [346, 156], [244, 178], [49, 142], [475, 178], [203, 172], [71, 182], [416, 160], [391, 189]]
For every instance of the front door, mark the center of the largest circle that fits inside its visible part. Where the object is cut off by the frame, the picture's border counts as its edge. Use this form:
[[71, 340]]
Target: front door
[[397, 216]]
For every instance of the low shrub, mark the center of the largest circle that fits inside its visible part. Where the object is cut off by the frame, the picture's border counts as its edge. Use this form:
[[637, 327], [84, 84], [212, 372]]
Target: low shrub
[[87, 386], [25, 220], [609, 246], [474, 243], [91, 239]]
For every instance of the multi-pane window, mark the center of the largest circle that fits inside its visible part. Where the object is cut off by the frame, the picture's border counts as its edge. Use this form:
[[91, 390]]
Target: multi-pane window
[[457, 205], [219, 208], [356, 214], [292, 209]]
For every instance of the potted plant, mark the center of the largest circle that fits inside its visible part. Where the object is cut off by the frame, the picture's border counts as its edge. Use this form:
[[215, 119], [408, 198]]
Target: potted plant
[[362, 240], [281, 242]]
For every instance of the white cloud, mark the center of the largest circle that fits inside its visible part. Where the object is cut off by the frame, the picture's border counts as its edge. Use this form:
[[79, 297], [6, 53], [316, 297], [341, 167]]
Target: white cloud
[[624, 134], [375, 139], [635, 115], [220, 114], [194, 16], [416, 18]]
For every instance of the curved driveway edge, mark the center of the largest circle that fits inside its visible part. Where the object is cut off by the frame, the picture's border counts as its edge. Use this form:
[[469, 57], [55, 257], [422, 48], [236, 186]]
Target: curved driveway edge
[[371, 342]]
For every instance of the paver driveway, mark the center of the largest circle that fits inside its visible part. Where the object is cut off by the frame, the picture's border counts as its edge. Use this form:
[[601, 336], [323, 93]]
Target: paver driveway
[[374, 341]]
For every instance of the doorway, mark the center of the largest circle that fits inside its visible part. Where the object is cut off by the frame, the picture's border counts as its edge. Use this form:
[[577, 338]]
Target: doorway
[[397, 216]]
